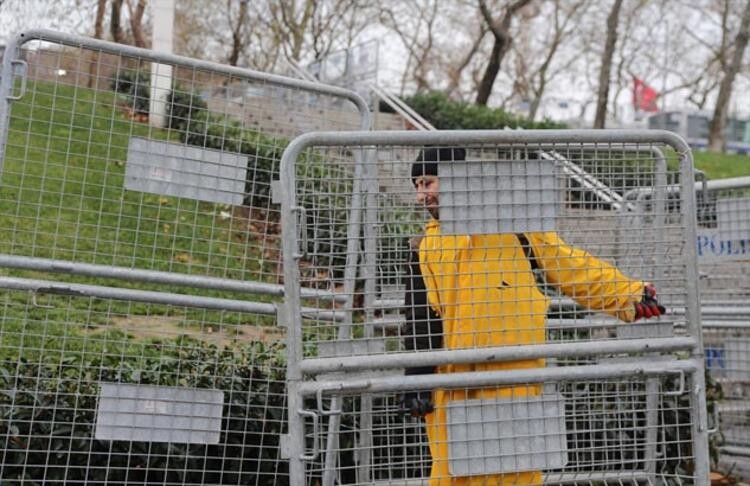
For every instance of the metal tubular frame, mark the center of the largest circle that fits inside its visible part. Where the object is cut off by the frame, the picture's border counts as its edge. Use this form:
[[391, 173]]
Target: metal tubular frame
[[297, 366], [13, 68], [6, 88], [726, 333], [18, 40]]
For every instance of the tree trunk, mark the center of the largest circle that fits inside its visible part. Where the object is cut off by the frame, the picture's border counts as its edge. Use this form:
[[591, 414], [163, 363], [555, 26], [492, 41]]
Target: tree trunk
[[101, 6], [501, 32], [455, 74], [716, 139], [499, 48], [115, 25], [136, 24], [537, 101], [238, 40], [602, 98]]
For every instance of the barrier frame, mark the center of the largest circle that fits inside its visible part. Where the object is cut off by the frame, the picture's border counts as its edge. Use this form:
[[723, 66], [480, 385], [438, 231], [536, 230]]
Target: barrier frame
[[297, 366]]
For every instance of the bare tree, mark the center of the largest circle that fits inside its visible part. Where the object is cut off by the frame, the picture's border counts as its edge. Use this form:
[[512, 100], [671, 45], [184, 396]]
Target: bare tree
[[536, 64], [237, 24], [260, 33], [716, 138], [606, 65], [443, 42], [455, 72], [235, 33], [136, 22], [289, 21], [705, 57], [101, 6], [72, 16], [500, 30], [336, 24], [632, 42], [115, 22], [414, 22]]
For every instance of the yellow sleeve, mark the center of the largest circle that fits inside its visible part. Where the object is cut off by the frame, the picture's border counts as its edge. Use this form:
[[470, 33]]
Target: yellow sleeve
[[427, 253], [591, 282]]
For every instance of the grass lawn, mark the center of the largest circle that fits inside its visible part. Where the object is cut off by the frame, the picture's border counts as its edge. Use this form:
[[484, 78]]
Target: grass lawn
[[63, 196], [721, 166]]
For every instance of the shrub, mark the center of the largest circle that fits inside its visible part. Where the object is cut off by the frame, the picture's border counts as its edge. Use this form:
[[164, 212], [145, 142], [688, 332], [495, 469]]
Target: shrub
[[47, 415], [447, 114], [189, 116], [182, 107], [135, 85], [196, 125]]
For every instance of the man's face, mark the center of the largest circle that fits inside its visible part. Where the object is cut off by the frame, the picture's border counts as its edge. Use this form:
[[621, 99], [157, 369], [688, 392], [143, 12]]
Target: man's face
[[428, 189]]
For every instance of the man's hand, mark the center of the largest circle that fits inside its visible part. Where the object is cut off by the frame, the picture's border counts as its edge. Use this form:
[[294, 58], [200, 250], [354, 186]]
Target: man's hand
[[416, 404], [648, 306]]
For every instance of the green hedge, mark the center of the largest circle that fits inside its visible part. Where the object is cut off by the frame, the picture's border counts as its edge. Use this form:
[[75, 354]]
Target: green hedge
[[135, 85], [47, 419], [447, 114], [189, 117]]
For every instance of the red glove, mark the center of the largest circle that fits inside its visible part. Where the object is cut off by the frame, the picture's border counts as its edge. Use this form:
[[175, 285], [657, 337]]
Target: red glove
[[648, 306]]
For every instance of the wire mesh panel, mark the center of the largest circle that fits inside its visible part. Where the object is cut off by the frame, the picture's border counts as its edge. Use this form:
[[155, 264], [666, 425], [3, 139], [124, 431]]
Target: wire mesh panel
[[583, 263], [724, 263], [471, 256], [634, 430], [141, 267]]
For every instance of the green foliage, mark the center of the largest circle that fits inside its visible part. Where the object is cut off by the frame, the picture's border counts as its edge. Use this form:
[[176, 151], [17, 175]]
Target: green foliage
[[65, 160], [447, 114], [721, 166], [327, 202], [47, 415], [190, 118], [135, 85], [676, 418], [183, 107]]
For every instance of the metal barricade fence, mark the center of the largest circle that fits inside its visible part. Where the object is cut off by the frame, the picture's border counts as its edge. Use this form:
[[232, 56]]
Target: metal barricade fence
[[140, 262], [723, 248], [520, 351]]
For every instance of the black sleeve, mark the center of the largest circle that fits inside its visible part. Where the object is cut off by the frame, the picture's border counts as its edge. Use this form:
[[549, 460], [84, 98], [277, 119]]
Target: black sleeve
[[422, 328]]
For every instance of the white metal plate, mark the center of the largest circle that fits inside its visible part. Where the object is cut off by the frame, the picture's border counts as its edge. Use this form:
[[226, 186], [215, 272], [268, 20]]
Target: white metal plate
[[494, 196], [497, 436], [145, 413], [171, 169], [733, 218]]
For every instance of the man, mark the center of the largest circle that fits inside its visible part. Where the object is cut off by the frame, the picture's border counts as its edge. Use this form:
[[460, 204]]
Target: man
[[484, 291]]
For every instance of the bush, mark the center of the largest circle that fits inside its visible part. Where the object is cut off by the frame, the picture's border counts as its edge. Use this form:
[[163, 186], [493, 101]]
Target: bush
[[135, 85], [327, 202], [447, 114], [183, 107], [189, 116], [47, 416]]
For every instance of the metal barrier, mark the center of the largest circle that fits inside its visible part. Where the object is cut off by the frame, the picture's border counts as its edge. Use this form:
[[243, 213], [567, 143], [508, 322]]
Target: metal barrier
[[534, 375], [723, 247], [140, 262]]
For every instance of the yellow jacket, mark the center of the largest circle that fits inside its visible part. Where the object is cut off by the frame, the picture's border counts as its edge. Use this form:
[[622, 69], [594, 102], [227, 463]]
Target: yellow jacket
[[483, 288]]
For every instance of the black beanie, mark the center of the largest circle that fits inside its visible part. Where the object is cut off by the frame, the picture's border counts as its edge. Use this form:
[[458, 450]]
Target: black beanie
[[426, 163]]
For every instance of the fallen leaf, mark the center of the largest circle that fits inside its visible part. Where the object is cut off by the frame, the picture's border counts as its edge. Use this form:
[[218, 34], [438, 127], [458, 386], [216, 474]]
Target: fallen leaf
[[183, 257]]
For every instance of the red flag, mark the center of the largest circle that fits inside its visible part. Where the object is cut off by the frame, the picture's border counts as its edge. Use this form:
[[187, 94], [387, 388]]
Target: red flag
[[644, 96]]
